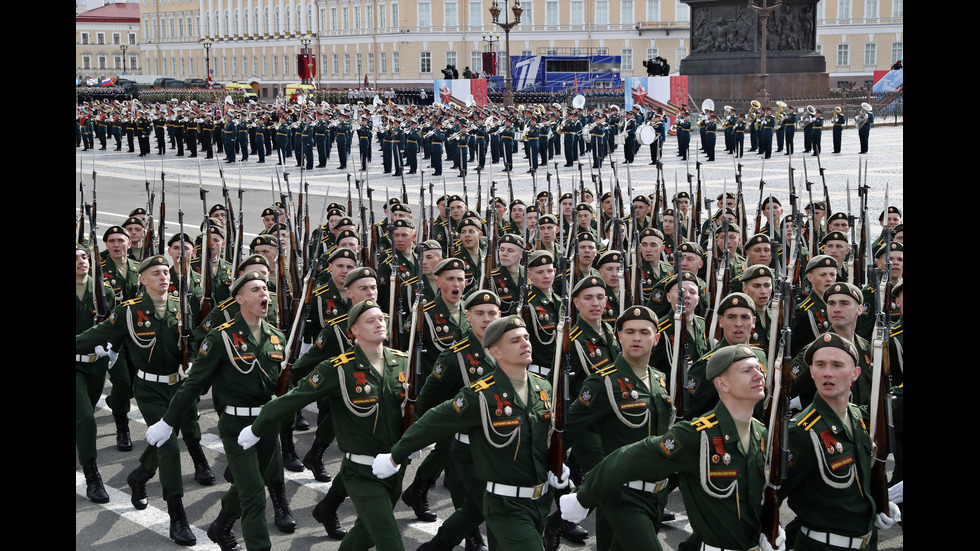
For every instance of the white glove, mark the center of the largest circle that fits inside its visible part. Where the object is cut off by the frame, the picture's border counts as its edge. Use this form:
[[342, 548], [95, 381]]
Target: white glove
[[158, 433], [795, 404], [415, 455], [185, 374], [896, 493], [571, 509], [764, 544], [556, 483], [885, 521], [305, 347], [383, 466], [103, 351], [247, 438]]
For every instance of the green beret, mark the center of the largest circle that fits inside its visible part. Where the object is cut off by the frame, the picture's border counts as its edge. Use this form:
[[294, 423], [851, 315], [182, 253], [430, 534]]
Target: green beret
[[755, 272], [482, 297], [359, 273], [540, 258], [770, 198], [498, 327], [606, 195], [512, 239], [401, 207], [757, 239], [334, 212], [250, 275], [821, 261], [834, 236], [636, 313], [548, 219], [844, 289], [896, 246], [609, 256], [642, 199], [114, 229], [138, 211], [345, 221], [347, 233], [516, 202], [587, 283], [454, 198], [216, 227], [733, 228], [647, 232], [341, 253], [722, 359], [892, 209], [689, 247], [403, 223], [358, 309], [176, 238], [449, 264], [336, 206], [683, 195], [830, 339], [544, 195], [532, 208], [736, 300], [431, 245], [565, 196], [268, 211], [686, 276], [153, 261], [839, 216], [583, 207], [264, 239], [216, 208], [253, 260], [472, 214], [586, 236], [132, 220], [469, 222]]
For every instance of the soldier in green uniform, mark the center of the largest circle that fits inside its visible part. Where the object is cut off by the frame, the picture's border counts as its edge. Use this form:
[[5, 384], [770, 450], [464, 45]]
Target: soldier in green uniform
[[810, 318], [240, 361], [444, 319], [122, 274], [694, 325], [757, 283], [609, 265], [149, 328], [719, 460], [459, 367], [829, 482], [507, 277], [506, 417], [653, 270], [472, 252], [365, 388], [90, 372], [625, 403], [542, 313]]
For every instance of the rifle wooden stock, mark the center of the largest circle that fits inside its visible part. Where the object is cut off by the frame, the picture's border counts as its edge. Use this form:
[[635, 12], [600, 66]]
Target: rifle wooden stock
[[415, 364], [559, 389], [295, 336]]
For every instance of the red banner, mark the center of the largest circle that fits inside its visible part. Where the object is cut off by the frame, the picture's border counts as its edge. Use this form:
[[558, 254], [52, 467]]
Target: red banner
[[306, 66]]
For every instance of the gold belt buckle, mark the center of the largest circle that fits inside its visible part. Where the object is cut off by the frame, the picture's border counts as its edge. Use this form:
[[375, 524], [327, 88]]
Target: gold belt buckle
[[172, 379], [537, 491]]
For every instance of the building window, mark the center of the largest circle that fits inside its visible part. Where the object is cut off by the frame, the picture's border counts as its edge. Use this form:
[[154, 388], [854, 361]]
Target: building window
[[680, 53], [476, 14], [265, 65], [602, 51], [285, 66], [115, 38], [627, 64], [369, 17], [132, 38], [626, 12], [382, 20], [451, 15], [425, 66], [357, 17], [527, 18], [84, 38], [870, 54], [683, 11], [896, 51], [653, 10], [871, 9], [234, 66], [527, 53], [275, 65], [133, 65], [346, 64], [425, 14], [843, 58], [336, 64], [602, 12], [100, 38], [182, 67], [451, 58], [371, 62], [394, 63], [383, 63], [255, 65], [344, 18], [333, 19], [551, 12], [394, 15], [843, 9], [86, 61], [359, 69], [898, 9], [577, 12], [116, 61], [476, 62]]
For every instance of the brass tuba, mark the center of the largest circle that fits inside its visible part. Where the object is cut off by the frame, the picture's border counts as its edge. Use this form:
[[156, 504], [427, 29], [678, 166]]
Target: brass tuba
[[754, 110]]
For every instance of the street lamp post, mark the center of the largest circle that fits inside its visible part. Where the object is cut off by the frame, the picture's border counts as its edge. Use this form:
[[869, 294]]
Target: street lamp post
[[491, 39], [124, 47], [207, 43], [306, 39], [507, 26]]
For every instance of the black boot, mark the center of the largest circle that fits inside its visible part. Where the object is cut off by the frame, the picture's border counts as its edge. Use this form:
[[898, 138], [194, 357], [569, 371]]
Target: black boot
[[435, 544], [180, 529], [137, 486], [202, 470], [314, 462], [94, 489], [123, 441], [416, 496], [220, 532], [574, 532], [301, 423], [552, 532], [290, 461], [325, 513], [280, 508], [474, 541]]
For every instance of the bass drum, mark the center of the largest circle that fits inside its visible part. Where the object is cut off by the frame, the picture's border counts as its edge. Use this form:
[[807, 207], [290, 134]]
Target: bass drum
[[647, 134]]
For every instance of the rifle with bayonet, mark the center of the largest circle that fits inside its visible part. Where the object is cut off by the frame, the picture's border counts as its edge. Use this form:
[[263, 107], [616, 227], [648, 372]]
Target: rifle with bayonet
[[147, 245], [184, 290], [207, 263], [413, 377], [561, 369], [98, 277]]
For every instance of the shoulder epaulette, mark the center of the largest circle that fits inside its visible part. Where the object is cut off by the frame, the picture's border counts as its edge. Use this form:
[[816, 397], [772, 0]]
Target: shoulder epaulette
[[225, 325], [226, 303], [706, 356], [664, 280], [429, 306], [132, 301], [397, 352], [320, 290], [343, 358], [531, 297], [536, 375], [574, 333], [482, 384], [806, 304], [897, 330], [411, 281], [665, 324], [461, 345], [495, 272], [807, 422], [606, 371], [338, 319], [704, 422]]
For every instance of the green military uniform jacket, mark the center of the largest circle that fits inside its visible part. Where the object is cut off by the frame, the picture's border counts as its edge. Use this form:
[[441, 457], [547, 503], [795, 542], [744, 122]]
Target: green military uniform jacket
[[463, 364], [473, 267], [611, 312], [153, 343], [829, 483], [653, 277], [701, 393], [809, 322], [803, 385], [365, 405], [328, 303], [502, 282], [440, 331], [223, 313], [542, 321], [591, 351], [125, 287], [241, 371], [721, 483], [85, 311], [663, 353]]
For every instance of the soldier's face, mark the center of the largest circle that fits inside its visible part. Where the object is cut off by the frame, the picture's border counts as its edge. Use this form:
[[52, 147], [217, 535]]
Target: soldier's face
[[691, 297], [219, 215], [269, 220], [743, 381], [429, 261], [513, 348], [760, 289], [254, 298], [642, 209], [566, 207], [480, 316], [638, 337], [339, 269], [510, 255], [833, 371], [217, 243], [532, 220], [370, 327], [118, 246], [837, 249], [684, 204], [517, 213], [609, 272], [404, 237], [586, 253], [457, 209], [156, 280], [81, 263], [135, 233], [501, 210], [894, 219], [691, 262], [174, 251], [268, 251], [898, 259], [737, 324], [352, 244], [362, 289], [843, 310], [651, 247], [470, 237], [840, 225], [607, 206], [542, 277], [591, 303], [760, 253], [668, 225], [822, 278], [451, 284]]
